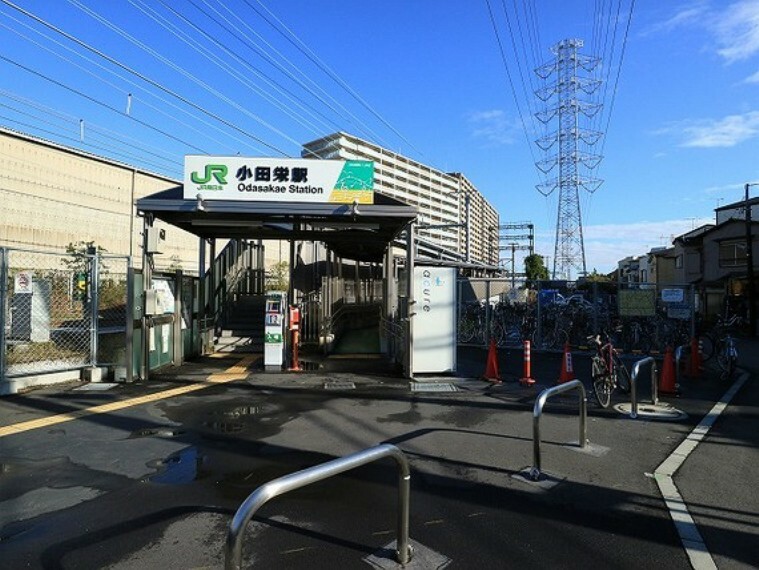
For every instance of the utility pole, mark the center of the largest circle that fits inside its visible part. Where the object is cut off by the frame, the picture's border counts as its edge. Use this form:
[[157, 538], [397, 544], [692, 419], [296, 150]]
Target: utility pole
[[572, 144], [516, 233], [750, 267]]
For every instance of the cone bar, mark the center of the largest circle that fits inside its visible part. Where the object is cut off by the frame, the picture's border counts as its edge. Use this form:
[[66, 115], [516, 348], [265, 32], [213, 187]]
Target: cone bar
[[527, 380]]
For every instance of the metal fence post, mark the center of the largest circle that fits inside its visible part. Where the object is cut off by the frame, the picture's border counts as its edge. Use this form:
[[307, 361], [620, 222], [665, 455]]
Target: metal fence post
[[539, 317], [692, 311], [129, 346], [178, 355], [3, 308], [595, 306], [94, 306], [488, 313]]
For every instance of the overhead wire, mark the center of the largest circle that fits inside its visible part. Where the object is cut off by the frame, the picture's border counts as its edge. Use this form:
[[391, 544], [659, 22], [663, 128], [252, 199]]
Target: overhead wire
[[306, 83], [93, 63], [517, 57], [619, 70], [90, 72], [228, 69], [79, 142], [141, 76], [202, 84], [511, 81], [308, 52], [99, 103], [162, 154]]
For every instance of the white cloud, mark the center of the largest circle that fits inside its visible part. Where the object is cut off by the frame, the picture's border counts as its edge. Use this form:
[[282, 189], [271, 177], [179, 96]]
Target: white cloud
[[606, 244], [737, 30], [726, 132], [754, 78], [734, 27], [692, 13], [493, 126]]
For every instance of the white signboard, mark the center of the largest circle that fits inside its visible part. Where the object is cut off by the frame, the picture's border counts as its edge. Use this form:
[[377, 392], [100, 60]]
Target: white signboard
[[164, 295], [435, 319], [22, 282], [278, 179]]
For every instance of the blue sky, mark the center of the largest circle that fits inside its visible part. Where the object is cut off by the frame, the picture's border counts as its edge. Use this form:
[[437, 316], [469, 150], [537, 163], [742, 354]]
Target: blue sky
[[421, 77]]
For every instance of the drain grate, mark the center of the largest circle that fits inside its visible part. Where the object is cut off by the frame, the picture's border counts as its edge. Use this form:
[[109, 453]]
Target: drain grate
[[339, 385], [433, 387]]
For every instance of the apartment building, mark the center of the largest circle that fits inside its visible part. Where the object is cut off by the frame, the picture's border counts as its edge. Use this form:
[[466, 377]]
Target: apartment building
[[439, 197]]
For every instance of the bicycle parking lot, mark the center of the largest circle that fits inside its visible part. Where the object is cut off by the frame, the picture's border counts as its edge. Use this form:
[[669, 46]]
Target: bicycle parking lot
[[642, 318], [157, 483]]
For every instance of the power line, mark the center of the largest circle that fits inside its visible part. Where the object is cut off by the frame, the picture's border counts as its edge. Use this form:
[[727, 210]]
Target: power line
[[100, 103], [619, 70], [269, 59], [511, 82], [90, 72], [139, 75], [226, 67], [309, 53], [192, 78], [94, 63]]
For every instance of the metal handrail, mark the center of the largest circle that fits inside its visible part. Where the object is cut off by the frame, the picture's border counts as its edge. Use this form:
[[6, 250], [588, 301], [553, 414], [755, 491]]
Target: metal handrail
[[537, 411], [633, 383], [267, 491]]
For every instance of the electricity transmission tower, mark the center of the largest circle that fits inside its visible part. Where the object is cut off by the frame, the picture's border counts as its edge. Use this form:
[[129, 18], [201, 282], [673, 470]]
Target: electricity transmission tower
[[562, 92]]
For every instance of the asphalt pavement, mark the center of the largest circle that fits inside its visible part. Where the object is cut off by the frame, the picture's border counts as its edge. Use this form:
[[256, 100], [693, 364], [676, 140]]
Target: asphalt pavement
[[149, 475]]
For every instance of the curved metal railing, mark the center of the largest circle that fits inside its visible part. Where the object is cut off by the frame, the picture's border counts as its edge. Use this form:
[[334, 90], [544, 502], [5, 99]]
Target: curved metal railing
[[272, 489], [537, 412], [634, 382]]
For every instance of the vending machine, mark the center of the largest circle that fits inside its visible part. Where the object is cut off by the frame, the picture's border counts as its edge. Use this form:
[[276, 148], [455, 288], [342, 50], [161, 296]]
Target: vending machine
[[274, 330]]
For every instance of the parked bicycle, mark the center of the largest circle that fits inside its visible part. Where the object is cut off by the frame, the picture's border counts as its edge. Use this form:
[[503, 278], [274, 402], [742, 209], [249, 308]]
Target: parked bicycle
[[607, 370], [711, 341], [727, 355]]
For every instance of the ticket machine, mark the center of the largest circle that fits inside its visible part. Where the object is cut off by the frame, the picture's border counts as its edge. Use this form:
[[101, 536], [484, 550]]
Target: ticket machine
[[274, 330]]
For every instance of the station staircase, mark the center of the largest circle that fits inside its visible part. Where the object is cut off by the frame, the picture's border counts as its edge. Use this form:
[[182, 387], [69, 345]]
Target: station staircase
[[242, 325]]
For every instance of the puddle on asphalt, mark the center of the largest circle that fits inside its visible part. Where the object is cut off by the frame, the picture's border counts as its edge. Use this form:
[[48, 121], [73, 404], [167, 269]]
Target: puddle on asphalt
[[232, 420], [155, 432], [178, 469]]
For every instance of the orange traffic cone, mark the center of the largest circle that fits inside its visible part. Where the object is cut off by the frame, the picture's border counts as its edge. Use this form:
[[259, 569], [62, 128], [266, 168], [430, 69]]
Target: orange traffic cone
[[667, 379], [695, 358], [491, 368], [567, 370]]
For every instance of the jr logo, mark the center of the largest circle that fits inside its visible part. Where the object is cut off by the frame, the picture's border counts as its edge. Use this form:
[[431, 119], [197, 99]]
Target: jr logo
[[217, 171]]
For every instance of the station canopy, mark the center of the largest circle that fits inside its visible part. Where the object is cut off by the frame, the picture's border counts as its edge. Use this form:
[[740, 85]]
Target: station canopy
[[353, 231]]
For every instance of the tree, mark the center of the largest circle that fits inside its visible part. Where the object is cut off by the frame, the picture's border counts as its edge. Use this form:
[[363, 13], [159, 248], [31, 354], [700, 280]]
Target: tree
[[534, 268], [80, 253], [278, 277]]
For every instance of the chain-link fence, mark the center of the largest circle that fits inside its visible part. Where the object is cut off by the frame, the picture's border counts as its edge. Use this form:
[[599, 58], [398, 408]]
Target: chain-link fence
[[640, 317], [61, 311]]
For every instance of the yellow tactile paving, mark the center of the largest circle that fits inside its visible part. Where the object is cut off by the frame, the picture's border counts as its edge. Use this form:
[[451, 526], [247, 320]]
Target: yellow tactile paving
[[238, 371]]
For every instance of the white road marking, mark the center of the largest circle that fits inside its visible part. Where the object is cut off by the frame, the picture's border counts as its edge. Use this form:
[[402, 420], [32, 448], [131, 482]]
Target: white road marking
[[693, 543]]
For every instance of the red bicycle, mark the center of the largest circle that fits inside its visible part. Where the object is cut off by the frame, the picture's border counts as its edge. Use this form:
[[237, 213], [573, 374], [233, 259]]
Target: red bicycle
[[607, 370]]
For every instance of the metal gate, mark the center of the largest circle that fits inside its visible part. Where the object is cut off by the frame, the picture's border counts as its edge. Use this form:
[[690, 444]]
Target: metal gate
[[61, 311]]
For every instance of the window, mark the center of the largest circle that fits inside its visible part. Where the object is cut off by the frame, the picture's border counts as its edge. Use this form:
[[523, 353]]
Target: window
[[732, 253], [679, 261]]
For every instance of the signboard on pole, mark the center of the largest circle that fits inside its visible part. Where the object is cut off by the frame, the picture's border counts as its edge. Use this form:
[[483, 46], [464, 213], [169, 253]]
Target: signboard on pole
[[278, 179], [637, 302]]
